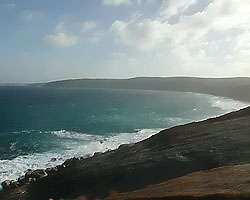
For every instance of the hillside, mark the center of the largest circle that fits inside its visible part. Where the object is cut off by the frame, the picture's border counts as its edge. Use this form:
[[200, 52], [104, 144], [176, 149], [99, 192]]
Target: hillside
[[223, 183], [236, 88]]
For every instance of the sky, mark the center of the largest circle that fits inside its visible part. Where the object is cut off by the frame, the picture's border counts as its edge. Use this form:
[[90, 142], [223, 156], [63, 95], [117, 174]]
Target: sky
[[49, 40]]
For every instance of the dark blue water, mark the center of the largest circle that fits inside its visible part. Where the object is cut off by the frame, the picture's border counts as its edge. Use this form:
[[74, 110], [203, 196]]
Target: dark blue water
[[37, 124]]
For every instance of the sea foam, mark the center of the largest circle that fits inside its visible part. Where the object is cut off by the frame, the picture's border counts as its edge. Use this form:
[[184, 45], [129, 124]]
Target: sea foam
[[227, 104], [12, 169]]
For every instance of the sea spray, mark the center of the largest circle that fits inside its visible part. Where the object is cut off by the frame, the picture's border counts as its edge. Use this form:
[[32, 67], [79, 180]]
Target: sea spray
[[14, 168]]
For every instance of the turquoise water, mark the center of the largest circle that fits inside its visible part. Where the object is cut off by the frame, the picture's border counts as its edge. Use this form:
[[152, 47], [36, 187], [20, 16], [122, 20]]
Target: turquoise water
[[41, 127]]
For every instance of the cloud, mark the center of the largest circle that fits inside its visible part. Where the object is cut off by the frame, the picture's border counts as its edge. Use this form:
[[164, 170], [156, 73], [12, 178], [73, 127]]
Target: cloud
[[220, 15], [144, 35], [116, 2], [60, 38], [173, 7], [243, 41], [217, 35], [88, 25], [29, 15]]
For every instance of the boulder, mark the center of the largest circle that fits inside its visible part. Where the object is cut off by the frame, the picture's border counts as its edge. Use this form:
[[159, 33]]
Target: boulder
[[39, 173], [21, 180], [9, 184], [36, 174], [6, 184], [51, 170], [28, 173]]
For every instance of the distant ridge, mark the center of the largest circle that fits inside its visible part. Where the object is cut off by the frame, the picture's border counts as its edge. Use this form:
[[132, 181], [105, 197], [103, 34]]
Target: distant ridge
[[236, 88]]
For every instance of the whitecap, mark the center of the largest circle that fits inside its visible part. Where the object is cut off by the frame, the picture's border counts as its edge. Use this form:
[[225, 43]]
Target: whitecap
[[87, 145], [75, 135]]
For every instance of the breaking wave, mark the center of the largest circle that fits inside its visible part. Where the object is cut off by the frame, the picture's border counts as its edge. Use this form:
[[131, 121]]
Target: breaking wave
[[79, 145]]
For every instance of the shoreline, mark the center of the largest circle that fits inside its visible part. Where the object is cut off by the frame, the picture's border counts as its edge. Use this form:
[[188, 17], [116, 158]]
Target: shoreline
[[224, 111], [133, 157], [159, 129], [129, 146]]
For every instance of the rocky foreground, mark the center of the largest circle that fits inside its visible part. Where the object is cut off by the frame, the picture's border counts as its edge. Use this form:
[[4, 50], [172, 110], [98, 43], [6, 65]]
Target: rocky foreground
[[172, 153]]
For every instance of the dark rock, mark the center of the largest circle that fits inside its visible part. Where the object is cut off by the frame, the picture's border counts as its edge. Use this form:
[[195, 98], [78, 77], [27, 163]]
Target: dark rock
[[53, 159], [28, 173], [97, 153], [6, 184], [36, 174], [70, 161], [10, 184], [51, 170], [39, 173], [14, 184], [31, 180], [21, 180], [125, 145]]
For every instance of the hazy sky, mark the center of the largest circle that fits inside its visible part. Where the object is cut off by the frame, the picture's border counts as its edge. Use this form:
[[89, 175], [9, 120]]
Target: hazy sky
[[60, 39]]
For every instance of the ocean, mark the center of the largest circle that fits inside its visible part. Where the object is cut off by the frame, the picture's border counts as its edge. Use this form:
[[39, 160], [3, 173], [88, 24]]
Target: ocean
[[42, 127]]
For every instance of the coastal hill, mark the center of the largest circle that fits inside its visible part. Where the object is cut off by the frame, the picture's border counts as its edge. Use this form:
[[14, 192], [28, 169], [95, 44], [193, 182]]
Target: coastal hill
[[229, 182], [236, 88], [172, 153]]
